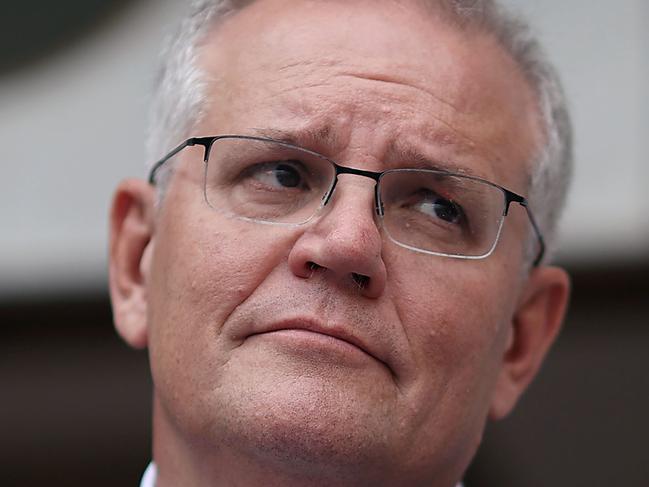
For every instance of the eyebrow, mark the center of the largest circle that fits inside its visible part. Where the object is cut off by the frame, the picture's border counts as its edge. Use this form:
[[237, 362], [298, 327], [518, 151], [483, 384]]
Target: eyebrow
[[406, 156], [312, 139], [416, 159]]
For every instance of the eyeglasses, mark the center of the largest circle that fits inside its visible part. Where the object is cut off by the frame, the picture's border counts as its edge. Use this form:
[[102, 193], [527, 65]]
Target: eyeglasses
[[425, 210]]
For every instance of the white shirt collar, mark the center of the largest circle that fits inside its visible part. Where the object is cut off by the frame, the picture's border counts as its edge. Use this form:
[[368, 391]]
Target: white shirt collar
[[151, 472]]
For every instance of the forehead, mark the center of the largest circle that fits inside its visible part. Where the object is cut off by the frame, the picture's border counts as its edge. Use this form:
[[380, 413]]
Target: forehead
[[389, 70]]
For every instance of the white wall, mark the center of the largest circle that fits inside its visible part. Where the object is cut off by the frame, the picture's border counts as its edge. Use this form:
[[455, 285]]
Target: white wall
[[602, 51], [72, 127]]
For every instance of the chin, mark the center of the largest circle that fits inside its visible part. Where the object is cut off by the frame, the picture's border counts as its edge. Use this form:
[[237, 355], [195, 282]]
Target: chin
[[308, 422]]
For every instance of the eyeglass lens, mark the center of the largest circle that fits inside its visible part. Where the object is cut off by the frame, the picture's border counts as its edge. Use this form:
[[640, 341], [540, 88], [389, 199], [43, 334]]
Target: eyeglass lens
[[425, 210]]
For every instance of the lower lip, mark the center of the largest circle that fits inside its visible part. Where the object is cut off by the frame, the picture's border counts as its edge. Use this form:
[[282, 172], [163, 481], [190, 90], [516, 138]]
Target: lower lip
[[314, 346]]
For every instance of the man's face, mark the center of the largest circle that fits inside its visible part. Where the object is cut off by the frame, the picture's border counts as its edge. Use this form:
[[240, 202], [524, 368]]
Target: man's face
[[250, 326]]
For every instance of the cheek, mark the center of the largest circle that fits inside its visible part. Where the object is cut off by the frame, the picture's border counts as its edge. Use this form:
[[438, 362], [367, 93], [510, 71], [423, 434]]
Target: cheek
[[454, 313], [203, 267]]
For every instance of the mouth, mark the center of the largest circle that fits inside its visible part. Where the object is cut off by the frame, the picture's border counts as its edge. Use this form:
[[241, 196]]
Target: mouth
[[311, 338]]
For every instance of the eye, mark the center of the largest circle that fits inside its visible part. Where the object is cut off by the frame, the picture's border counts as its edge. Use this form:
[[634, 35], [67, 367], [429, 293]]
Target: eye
[[279, 175], [432, 204]]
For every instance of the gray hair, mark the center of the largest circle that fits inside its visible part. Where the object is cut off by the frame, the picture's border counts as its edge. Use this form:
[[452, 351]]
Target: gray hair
[[180, 90]]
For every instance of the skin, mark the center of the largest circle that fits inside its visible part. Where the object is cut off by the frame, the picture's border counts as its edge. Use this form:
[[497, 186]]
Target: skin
[[445, 343]]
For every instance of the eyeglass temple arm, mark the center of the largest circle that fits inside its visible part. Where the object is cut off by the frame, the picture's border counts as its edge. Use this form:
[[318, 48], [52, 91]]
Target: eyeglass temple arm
[[204, 141], [537, 230], [513, 197]]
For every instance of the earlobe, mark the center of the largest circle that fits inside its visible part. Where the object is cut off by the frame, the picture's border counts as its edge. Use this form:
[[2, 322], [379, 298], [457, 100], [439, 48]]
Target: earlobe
[[131, 242], [535, 325]]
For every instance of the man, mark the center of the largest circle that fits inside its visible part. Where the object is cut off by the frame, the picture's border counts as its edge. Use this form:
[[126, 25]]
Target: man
[[323, 272]]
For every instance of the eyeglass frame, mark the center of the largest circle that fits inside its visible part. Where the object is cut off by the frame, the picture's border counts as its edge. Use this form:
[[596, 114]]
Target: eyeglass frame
[[510, 196]]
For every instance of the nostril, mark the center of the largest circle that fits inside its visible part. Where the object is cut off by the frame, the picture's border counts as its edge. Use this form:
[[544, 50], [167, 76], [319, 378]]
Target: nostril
[[361, 280], [312, 266]]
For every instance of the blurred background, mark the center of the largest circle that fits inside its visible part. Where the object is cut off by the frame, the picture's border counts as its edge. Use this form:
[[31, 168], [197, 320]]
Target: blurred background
[[75, 401]]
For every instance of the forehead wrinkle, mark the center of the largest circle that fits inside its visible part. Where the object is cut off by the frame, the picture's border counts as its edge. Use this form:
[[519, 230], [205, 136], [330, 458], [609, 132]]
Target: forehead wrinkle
[[453, 137], [327, 70], [399, 81], [301, 63], [319, 134], [456, 138]]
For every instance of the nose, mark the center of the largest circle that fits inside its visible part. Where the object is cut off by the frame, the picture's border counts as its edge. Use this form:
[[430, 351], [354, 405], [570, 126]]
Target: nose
[[344, 243]]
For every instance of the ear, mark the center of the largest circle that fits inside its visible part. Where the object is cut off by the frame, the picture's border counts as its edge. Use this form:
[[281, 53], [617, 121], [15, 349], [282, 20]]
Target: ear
[[131, 240], [535, 325]]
